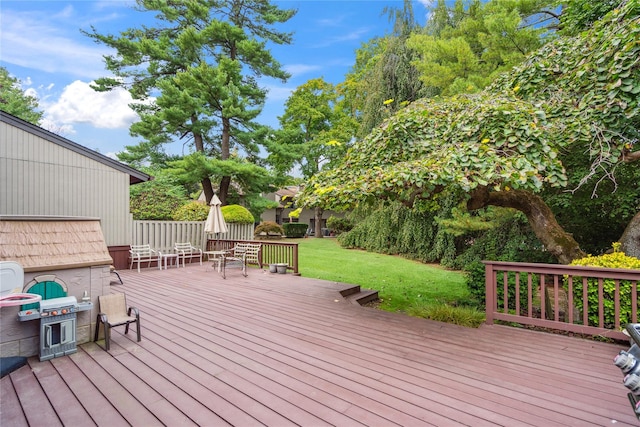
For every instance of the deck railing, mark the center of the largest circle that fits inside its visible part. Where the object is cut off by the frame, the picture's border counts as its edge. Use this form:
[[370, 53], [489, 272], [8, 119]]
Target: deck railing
[[163, 235], [271, 252], [584, 300]]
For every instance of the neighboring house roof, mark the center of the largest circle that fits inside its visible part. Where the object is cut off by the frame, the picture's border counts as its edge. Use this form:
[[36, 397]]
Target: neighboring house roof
[[284, 196], [290, 190], [52, 243], [135, 176]]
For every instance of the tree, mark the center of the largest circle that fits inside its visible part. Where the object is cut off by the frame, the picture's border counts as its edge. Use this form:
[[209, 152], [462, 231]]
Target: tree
[[315, 133], [250, 180], [14, 101], [461, 51], [580, 15], [504, 146], [384, 78], [202, 59], [157, 199]]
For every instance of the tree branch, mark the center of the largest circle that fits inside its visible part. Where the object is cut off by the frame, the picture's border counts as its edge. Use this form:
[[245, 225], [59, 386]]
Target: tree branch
[[631, 156], [542, 220]]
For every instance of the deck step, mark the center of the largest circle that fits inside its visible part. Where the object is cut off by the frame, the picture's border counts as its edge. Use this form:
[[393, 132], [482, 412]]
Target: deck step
[[363, 297], [350, 290]]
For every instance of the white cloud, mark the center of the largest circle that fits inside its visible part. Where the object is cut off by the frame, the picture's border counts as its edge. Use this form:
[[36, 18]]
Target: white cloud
[[33, 41], [278, 93], [79, 103], [67, 12], [354, 35], [427, 3], [334, 21], [63, 130], [298, 69]]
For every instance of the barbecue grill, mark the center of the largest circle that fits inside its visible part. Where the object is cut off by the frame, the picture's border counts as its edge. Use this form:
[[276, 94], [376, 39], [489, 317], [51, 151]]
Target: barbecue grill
[[629, 363], [57, 325]]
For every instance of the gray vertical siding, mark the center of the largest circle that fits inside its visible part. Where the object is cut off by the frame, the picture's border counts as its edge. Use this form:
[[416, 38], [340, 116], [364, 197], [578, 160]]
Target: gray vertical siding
[[38, 177]]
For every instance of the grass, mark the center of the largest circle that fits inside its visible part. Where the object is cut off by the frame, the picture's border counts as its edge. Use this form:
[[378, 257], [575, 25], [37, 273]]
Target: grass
[[403, 285]]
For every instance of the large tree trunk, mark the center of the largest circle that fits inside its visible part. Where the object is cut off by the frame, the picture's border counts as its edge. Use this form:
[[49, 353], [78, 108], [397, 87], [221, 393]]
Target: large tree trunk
[[318, 219], [207, 187], [558, 242], [630, 239], [225, 153]]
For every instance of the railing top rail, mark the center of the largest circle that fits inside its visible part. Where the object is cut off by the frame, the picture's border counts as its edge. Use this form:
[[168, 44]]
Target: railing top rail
[[263, 242], [572, 270]]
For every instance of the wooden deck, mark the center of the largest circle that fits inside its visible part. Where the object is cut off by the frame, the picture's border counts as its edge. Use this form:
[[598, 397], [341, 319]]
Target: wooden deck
[[282, 350]]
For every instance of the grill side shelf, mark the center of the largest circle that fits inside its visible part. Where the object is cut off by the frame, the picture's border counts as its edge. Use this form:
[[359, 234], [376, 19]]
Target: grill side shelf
[[25, 315]]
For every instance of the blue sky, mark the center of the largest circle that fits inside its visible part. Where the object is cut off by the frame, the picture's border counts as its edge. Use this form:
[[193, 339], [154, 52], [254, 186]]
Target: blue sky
[[41, 45]]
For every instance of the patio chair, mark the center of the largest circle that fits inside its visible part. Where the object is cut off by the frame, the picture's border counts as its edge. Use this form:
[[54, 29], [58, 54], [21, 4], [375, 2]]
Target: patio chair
[[186, 250], [241, 255], [142, 253], [115, 312]]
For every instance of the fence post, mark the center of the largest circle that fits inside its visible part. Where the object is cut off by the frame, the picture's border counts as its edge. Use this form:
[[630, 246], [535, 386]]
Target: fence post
[[295, 259], [489, 284]]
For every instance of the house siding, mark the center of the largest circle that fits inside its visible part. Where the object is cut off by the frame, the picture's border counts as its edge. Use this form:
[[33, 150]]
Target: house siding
[[306, 216], [38, 177]]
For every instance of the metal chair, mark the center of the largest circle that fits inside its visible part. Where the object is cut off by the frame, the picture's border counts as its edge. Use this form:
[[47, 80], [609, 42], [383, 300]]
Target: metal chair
[[115, 312], [241, 255], [114, 271], [186, 250], [143, 253]]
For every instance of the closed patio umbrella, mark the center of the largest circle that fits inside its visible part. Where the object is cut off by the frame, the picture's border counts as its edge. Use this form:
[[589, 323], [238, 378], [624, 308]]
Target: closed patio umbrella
[[215, 220]]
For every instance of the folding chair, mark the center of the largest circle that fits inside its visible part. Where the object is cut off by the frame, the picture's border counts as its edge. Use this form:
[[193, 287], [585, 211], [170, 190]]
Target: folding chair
[[115, 312]]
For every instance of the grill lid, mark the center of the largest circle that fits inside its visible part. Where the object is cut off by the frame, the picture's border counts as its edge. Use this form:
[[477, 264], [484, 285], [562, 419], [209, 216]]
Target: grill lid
[[47, 305]]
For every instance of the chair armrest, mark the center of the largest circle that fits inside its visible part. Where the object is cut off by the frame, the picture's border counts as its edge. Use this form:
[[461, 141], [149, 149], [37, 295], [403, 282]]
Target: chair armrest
[[135, 311]]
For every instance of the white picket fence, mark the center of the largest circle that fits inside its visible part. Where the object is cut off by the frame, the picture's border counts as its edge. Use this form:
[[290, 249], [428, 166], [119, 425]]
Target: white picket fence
[[162, 235]]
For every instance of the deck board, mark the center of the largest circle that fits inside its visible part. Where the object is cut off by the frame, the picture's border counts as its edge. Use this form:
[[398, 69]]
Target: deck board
[[279, 350], [68, 408], [11, 412]]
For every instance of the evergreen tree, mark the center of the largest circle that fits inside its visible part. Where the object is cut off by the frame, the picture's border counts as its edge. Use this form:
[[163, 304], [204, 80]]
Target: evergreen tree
[[14, 101], [201, 62]]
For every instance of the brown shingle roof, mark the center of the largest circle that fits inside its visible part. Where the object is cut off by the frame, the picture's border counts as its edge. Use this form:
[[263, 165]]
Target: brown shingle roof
[[52, 243]]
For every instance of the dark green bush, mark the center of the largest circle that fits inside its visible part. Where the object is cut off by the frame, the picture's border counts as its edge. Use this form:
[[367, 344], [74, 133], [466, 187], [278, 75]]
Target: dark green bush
[[156, 200], [270, 229], [237, 214], [295, 229], [192, 211], [396, 229], [339, 224], [476, 281]]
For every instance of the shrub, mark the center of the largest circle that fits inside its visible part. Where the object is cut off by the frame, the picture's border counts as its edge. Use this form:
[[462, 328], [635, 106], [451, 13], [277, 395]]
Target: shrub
[[476, 284], [295, 229], [339, 224], [192, 211], [270, 229], [613, 260], [464, 316], [156, 200], [237, 214]]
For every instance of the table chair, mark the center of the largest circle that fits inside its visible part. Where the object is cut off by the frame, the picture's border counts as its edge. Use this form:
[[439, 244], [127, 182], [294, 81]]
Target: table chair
[[115, 312]]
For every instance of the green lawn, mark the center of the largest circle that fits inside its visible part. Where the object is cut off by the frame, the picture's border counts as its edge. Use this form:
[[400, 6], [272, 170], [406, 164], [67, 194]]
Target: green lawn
[[402, 284]]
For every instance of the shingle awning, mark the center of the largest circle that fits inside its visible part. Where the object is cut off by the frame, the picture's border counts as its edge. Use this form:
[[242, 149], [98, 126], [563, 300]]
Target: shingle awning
[[52, 243]]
